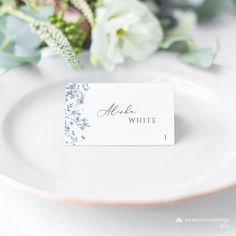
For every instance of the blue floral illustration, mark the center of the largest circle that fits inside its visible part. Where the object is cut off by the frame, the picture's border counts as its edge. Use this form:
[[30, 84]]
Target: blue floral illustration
[[75, 122]]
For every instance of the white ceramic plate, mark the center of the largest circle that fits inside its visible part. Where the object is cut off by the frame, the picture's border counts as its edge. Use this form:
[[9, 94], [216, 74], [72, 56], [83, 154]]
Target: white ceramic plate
[[33, 155]]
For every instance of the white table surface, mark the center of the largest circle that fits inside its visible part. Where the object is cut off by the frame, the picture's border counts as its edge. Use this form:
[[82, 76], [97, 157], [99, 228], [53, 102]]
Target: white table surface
[[24, 214]]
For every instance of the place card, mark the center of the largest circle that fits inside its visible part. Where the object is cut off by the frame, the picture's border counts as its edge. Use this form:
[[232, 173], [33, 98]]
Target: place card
[[119, 113]]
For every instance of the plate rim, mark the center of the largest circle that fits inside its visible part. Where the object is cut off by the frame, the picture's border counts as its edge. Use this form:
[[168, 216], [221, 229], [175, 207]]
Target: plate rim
[[105, 203]]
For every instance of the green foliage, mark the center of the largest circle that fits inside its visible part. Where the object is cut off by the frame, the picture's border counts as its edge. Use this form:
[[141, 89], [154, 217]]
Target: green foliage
[[200, 57], [16, 30], [18, 45], [20, 33], [188, 51], [172, 42], [68, 39], [8, 60], [72, 31], [55, 39]]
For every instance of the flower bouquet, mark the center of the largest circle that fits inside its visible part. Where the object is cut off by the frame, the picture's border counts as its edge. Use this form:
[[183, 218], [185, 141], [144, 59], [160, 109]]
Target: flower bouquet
[[113, 31]]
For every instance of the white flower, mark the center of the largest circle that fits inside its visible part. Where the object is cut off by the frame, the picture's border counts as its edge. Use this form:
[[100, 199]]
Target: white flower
[[124, 29], [187, 21]]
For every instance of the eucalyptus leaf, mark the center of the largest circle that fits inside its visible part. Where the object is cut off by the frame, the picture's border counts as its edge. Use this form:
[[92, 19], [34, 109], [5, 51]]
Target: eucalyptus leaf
[[17, 43], [200, 57], [8, 60], [19, 31]]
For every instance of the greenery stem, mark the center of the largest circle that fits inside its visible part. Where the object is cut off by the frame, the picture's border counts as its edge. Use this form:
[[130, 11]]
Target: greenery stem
[[4, 44]]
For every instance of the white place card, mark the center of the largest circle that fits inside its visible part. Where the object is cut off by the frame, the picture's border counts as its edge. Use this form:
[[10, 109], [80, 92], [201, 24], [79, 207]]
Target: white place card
[[119, 114]]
